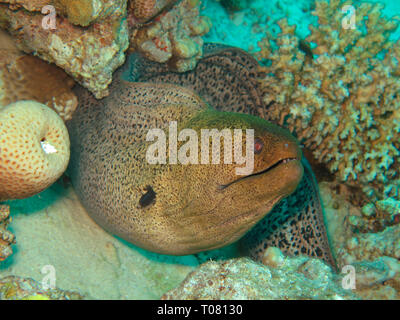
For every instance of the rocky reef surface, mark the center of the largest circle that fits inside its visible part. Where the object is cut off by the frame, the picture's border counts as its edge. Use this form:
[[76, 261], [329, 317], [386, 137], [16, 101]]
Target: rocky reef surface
[[16, 288], [6, 237], [372, 254], [243, 279]]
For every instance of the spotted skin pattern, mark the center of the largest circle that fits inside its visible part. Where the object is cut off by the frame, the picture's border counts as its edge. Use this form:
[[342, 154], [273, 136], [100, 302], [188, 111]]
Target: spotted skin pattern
[[296, 225]]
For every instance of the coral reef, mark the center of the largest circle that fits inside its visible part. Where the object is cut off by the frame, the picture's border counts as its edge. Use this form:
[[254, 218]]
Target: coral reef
[[34, 149], [376, 216], [174, 36], [371, 245], [78, 12], [366, 239], [17, 288], [6, 237], [282, 278], [89, 55], [25, 77], [375, 257], [338, 91], [163, 30]]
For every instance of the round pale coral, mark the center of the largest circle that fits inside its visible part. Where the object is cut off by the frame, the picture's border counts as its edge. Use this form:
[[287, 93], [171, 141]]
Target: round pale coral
[[34, 149]]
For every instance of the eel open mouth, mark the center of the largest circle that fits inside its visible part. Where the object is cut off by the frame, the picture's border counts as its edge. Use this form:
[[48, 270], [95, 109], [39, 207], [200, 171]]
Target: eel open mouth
[[275, 165]]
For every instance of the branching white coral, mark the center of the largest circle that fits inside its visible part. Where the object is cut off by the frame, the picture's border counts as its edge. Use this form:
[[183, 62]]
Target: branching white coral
[[339, 91]]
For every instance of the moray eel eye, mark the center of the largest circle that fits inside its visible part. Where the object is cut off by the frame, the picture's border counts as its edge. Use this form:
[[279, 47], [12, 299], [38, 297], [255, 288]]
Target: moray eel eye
[[258, 145], [148, 197]]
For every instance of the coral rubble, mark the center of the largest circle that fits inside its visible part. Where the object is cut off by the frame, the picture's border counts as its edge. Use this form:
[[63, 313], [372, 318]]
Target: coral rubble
[[366, 240], [375, 259], [376, 216], [174, 37], [283, 278], [34, 149], [17, 288], [6, 237], [372, 245], [338, 90]]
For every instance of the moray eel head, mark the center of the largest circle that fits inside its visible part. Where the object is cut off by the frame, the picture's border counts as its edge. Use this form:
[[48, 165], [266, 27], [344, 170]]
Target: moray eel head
[[207, 206]]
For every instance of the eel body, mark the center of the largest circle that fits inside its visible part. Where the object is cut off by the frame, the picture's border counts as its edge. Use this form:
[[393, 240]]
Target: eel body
[[176, 208]]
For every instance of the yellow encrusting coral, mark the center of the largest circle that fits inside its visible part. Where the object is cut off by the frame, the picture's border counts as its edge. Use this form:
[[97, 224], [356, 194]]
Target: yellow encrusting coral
[[34, 149], [339, 91], [17, 288]]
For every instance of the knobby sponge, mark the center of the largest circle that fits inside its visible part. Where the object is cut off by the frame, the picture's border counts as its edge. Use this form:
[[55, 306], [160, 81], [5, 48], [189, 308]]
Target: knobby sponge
[[34, 149]]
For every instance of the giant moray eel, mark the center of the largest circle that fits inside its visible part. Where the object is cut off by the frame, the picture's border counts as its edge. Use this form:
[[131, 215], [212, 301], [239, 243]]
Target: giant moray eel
[[183, 209]]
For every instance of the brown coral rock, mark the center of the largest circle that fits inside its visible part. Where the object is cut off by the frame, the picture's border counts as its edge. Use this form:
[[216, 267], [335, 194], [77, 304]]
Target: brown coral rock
[[89, 55], [163, 30], [25, 77], [6, 237], [244, 279]]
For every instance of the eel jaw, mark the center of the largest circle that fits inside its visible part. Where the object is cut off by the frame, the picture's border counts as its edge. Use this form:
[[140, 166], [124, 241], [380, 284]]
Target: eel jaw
[[275, 165]]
